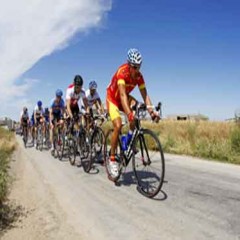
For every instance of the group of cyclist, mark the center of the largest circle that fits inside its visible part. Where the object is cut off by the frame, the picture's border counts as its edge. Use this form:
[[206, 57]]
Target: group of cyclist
[[77, 100], [57, 111]]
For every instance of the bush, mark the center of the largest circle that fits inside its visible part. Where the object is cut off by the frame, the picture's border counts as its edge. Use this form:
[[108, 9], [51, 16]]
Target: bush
[[235, 140]]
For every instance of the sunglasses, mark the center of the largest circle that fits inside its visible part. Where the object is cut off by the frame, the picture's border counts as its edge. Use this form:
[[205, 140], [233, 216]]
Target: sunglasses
[[136, 67]]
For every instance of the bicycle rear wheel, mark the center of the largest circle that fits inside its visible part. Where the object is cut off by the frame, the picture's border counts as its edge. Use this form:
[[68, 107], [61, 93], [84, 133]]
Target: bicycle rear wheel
[[107, 151], [60, 144], [25, 136], [39, 138], [96, 144], [148, 163], [84, 143], [73, 148]]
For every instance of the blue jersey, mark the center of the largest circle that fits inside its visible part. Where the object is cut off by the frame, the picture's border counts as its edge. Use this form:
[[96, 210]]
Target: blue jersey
[[46, 116], [57, 108], [32, 119]]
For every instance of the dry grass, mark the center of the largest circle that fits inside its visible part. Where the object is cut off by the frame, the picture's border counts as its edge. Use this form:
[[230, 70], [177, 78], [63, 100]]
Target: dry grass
[[213, 140], [7, 146]]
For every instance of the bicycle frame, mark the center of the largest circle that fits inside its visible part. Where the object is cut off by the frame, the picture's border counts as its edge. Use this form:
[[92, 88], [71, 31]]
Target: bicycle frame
[[127, 155]]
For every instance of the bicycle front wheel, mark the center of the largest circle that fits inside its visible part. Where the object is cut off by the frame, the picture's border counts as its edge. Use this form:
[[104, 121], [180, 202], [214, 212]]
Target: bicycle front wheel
[[148, 163], [25, 136], [40, 139], [97, 141]]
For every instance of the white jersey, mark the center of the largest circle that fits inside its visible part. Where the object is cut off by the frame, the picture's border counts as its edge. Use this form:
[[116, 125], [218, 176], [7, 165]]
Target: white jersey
[[24, 116], [38, 111], [74, 97], [91, 99]]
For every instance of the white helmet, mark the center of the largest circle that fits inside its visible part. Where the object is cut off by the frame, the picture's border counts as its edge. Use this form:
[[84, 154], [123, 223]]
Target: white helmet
[[134, 56], [92, 85]]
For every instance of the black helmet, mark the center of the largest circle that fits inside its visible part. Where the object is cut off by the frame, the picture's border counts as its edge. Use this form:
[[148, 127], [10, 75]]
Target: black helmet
[[78, 81]]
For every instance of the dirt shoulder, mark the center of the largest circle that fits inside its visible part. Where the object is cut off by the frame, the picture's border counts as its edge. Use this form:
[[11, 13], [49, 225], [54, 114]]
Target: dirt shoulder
[[40, 217]]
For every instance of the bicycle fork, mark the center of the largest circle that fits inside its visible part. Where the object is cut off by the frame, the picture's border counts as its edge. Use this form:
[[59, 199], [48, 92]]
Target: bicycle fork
[[145, 159]]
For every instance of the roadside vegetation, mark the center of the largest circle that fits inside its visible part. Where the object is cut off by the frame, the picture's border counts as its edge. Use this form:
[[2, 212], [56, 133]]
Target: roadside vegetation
[[212, 140], [7, 146]]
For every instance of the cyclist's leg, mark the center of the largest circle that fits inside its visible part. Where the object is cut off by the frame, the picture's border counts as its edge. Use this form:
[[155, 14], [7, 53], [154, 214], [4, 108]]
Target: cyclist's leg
[[131, 101], [33, 131], [21, 128], [36, 130], [43, 127], [117, 125], [51, 133]]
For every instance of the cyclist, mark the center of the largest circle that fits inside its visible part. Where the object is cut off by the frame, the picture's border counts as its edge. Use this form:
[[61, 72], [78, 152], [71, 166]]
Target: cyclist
[[24, 118], [32, 127], [38, 117], [119, 99], [46, 120], [46, 115], [94, 98], [73, 95], [56, 113]]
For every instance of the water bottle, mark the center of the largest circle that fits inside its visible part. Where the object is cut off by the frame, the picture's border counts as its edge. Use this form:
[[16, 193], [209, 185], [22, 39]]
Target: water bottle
[[124, 142], [129, 138]]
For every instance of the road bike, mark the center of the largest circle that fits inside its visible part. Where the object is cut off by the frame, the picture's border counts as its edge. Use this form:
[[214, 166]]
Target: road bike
[[146, 152], [25, 133], [96, 138], [39, 136], [78, 139], [58, 140]]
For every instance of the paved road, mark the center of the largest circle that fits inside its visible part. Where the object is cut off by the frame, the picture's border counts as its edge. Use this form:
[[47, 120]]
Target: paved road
[[200, 200]]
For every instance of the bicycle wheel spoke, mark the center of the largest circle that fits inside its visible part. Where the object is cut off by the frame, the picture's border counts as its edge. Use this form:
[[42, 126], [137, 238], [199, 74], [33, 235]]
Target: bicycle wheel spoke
[[148, 163]]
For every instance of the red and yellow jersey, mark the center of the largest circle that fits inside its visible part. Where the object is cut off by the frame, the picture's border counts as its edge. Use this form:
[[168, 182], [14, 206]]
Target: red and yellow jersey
[[122, 76]]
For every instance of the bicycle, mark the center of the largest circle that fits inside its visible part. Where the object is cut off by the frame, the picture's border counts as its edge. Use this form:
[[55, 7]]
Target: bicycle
[[146, 153], [78, 139], [58, 140], [25, 133], [96, 138], [47, 135], [39, 137]]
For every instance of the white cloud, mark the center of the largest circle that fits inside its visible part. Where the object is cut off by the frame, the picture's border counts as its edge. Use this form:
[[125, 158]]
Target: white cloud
[[32, 29]]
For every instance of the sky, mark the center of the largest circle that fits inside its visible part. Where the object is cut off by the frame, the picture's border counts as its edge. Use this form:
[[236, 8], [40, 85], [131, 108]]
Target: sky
[[190, 51]]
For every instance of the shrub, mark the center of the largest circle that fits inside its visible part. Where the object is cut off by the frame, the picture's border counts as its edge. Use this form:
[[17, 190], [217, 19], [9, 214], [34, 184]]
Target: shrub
[[235, 140]]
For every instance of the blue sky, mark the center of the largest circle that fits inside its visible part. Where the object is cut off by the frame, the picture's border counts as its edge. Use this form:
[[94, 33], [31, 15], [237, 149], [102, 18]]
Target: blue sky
[[190, 52]]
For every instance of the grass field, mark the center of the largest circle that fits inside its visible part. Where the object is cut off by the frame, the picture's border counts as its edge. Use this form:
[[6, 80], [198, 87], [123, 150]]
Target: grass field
[[213, 140], [7, 146]]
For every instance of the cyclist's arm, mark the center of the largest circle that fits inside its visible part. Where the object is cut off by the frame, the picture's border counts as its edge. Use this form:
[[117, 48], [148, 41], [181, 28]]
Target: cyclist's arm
[[85, 102], [42, 114], [69, 108], [62, 108], [99, 106], [123, 96], [35, 118], [147, 101], [21, 118], [50, 116], [62, 111]]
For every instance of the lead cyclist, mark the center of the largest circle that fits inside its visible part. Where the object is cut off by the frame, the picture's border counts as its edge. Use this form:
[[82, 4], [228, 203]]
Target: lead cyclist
[[126, 78]]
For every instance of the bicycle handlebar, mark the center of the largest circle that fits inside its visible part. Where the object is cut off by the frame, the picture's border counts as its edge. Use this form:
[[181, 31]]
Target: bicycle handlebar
[[143, 107]]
